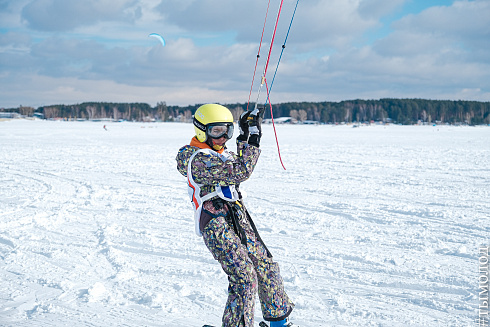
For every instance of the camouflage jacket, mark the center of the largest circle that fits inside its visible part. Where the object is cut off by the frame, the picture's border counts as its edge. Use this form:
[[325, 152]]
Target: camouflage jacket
[[210, 170]]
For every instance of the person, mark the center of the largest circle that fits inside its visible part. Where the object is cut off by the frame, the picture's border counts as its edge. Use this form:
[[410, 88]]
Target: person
[[214, 175]]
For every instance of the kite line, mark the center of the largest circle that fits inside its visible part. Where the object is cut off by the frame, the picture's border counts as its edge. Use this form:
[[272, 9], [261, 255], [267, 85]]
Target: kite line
[[264, 75]]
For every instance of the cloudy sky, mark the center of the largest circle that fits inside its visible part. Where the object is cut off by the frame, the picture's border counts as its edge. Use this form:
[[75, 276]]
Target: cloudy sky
[[71, 51]]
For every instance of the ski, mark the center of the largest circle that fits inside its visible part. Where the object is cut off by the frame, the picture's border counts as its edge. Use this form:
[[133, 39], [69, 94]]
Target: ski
[[262, 324]]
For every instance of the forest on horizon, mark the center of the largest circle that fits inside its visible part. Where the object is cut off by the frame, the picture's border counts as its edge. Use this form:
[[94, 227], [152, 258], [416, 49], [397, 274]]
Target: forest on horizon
[[400, 111]]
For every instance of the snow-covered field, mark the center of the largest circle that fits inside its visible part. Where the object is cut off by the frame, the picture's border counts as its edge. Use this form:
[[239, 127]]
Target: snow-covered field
[[372, 226]]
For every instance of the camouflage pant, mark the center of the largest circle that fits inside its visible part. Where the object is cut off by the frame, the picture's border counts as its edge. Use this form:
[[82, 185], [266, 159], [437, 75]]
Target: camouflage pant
[[249, 270]]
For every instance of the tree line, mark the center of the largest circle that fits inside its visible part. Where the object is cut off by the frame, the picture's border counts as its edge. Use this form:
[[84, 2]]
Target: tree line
[[401, 111]]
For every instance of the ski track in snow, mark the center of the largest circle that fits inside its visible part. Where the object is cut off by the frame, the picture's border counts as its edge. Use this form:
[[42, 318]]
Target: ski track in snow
[[372, 226]]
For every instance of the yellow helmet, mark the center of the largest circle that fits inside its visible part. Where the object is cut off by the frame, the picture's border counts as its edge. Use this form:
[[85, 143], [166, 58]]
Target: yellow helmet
[[211, 114]]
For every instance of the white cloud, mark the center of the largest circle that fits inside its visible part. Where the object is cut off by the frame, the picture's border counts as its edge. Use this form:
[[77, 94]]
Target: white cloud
[[62, 15], [104, 52], [44, 90], [463, 27], [376, 9]]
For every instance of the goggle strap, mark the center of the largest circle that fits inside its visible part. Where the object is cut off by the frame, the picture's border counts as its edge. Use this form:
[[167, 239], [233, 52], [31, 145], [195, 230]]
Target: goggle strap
[[199, 125]]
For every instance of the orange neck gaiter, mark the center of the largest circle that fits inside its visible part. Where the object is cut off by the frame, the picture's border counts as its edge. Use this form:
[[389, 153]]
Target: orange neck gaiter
[[195, 142]]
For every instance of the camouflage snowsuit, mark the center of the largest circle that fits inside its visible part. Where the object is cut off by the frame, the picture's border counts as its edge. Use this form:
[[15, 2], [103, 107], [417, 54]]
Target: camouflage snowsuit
[[239, 249]]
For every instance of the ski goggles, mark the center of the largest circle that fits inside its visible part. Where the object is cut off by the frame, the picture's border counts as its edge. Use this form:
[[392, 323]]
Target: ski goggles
[[218, 130]]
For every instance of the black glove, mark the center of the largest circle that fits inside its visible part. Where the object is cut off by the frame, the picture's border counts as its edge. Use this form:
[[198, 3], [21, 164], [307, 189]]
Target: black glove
[[254, 123], [243, 127]]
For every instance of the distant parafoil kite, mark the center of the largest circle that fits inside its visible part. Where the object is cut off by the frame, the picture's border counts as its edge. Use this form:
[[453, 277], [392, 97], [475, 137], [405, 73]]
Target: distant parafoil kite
[[159, 37]]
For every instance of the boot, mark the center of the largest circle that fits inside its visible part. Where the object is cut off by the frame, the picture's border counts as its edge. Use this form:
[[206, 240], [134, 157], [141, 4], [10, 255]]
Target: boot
[[281, 323]]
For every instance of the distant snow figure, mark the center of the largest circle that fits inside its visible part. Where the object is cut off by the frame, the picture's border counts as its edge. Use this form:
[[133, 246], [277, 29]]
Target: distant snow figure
[[159, 37], [105, 128]]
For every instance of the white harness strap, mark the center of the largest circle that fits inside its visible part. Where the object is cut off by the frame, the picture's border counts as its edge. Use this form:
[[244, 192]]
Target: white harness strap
[[227, 193]]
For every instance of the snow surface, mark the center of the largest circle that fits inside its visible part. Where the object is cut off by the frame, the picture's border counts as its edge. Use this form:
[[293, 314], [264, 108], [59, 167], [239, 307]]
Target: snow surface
[[372, 226]]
